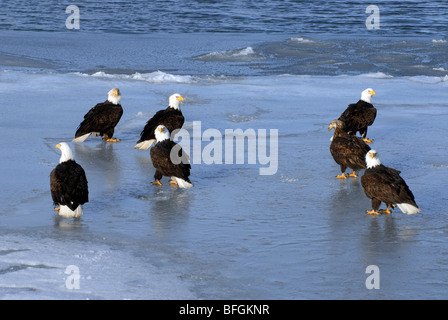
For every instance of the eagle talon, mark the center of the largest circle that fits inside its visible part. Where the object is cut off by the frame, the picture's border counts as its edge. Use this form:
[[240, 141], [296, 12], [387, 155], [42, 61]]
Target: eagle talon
[[373, 212], [353, 174], [157, 182], [341, 176], [386, 210], [57, 209], [367, 140], [112, 140], [173, 182]]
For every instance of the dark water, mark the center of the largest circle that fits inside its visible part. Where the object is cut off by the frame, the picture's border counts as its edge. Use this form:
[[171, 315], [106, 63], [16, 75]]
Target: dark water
[[265, 16], [228, 38]]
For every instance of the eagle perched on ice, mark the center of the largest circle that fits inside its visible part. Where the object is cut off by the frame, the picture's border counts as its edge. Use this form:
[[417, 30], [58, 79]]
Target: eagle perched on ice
[[171, 117], [170, 160], [347, 150], [101, 119], [359, 116], [68, 184], [383, 184]]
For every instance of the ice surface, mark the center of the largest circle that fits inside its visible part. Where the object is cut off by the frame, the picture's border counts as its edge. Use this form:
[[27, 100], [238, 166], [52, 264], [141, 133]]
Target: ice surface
[[37, 266], [298, 234]]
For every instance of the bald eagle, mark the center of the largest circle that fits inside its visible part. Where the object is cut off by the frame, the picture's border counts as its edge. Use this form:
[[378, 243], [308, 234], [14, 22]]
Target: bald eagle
[[171, 118], [383, 184], [169, 160], [101, 119], [68, 184], [359, 116], [348, 151]]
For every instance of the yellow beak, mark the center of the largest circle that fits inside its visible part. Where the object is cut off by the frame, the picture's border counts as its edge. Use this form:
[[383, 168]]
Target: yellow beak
[[160, 129], [180, 98], [373, 92], [372, 155], [58, 146]]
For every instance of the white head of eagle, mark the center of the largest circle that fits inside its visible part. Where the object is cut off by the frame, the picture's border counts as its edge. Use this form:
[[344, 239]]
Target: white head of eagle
[[175, 100], [367, 94], [66, 152], [372, 159], [161, 133], [114, 96]]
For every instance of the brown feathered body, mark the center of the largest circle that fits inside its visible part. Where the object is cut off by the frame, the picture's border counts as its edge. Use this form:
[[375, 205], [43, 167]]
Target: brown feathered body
[[384, 184], [170, 160], [68, 185], [348, 151], [358, 117], [170, 117]]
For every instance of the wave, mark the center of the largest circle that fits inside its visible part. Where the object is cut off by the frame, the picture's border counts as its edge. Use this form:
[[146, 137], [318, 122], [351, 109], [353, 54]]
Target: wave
[[428, 79], [420, 79], [302, 40], [152, 77], [440, 41], [423, 79], [240, 55], [377, 75], [244, 52]]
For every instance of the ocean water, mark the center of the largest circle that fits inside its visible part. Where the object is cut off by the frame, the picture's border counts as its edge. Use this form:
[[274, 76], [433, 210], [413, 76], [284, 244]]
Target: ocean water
[[286, 67], [408, 17]]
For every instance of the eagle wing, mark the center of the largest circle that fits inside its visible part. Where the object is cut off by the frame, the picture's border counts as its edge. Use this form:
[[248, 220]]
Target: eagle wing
[[400, 190], [358, 116], [170, 118], [101, 118], [369, 116], [387, 186]]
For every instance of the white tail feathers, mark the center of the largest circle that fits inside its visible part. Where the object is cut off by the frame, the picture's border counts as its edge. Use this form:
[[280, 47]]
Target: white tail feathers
[[81, 138], [182, 183], [144, 145], [68, 213], [84, 137], [408, 208]]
